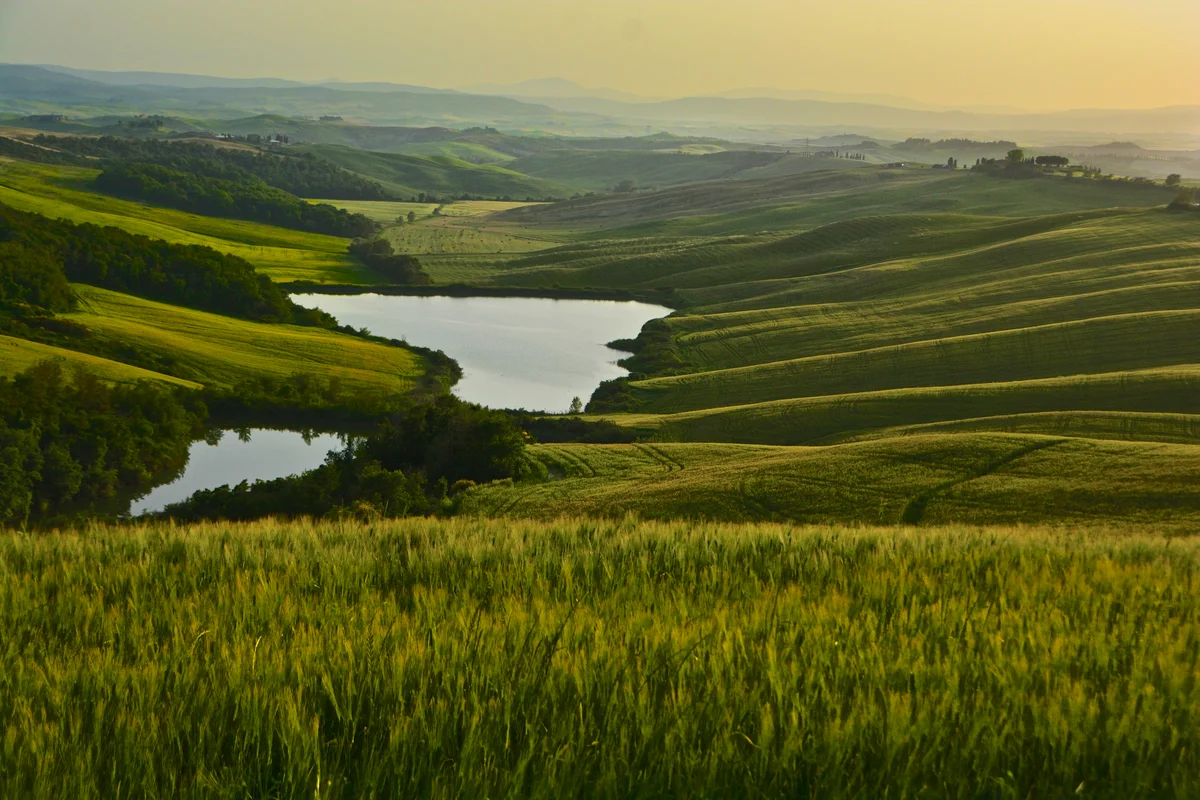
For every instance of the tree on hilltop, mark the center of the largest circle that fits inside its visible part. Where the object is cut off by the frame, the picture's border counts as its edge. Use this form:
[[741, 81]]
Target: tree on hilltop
[[1016, 156], [1174, 179]]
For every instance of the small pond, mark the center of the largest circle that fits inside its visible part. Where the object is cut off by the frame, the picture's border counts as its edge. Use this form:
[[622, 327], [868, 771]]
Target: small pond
[[516, 352], [263, 455]]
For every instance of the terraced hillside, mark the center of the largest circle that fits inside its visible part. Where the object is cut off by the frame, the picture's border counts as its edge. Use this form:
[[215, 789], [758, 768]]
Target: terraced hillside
[[600, 170], [410, 175], [978, 478], [857, 322], [806, 201], [282, 254], [220, 351]]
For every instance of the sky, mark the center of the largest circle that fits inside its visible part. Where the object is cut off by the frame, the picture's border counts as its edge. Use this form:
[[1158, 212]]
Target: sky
[[1032, 54]]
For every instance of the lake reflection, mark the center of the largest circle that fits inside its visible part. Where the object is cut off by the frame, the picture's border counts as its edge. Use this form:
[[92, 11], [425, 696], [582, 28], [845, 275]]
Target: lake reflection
[[265, 455], [516, 352]]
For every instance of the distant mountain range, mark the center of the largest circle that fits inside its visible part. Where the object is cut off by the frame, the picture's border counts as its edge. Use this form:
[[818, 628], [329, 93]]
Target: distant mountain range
[[552, 105]]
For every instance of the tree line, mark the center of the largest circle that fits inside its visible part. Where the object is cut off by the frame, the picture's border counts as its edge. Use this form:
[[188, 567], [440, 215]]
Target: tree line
[[72, 444], [411, 465], [399, 268], [302, 175], [40, 255]]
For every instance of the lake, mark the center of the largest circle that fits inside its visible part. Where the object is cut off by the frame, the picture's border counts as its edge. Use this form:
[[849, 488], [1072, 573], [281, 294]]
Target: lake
[[266, 455], [516, 352]]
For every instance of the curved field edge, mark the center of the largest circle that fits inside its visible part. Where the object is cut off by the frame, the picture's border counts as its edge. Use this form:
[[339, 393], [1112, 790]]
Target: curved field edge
[[222, 351], [397, 657], [18, 355], [280, 253], [833, 418], [983, 478]]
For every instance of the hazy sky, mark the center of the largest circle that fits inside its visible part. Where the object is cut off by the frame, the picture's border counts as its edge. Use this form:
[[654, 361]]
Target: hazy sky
[[1035, 54]]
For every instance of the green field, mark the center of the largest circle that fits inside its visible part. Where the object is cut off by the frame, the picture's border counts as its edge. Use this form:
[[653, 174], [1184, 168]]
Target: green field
[[18, 355], [474, 658], [601, 170], [282, 254], [409, 176], [221, 351], [874, 318], [963, 477], [808, 200], [386, 212]]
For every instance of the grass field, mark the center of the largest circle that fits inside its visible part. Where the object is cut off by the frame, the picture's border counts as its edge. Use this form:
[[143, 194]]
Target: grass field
[[601, 170], [808, 200], [941, 478], [282, 254], [18, 355], [409, 175], [473, 658], [895, 321], [216, 350]]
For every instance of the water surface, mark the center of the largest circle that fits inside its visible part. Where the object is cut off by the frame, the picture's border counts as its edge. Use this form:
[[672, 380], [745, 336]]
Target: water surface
[[265, 455], [516, 352]]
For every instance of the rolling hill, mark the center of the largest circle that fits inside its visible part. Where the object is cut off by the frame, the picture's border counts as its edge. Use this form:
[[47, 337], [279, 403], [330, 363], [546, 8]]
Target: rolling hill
[[443, 175], [975, 478], [832, 309]]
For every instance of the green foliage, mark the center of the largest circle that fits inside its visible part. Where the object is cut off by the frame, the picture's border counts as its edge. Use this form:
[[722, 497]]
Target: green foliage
[[220, 351], [402, 469], [15, 148], [196, 277], [397, 268], [410, 176], [71, 444], [955, 476], [470, 658], [31, 278], [303, 176], [247, 198]]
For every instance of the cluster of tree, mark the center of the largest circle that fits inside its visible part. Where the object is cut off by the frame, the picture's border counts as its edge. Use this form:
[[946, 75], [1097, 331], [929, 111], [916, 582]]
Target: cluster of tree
[[551, 429], [398, 268], [1051, 161], [15, 148], [74, 443], [840, 154], [1185, 200], [154, 122], [407, 467], [248, 199], [301, 401], [43, 253], [954, 144], [302, 175], [31, 278]]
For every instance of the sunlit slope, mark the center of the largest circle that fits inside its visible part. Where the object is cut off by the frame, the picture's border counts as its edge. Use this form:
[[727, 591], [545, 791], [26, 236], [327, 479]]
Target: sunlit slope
[[283, 254], [18, 355], [1094, 311], [978, 478], [601, 170], [1096, 345], [217, 350], [832, 418], [808, 200], [409, 175]]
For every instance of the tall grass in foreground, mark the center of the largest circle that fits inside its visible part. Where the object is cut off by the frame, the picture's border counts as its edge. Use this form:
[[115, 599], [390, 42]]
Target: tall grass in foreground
[[482, 658]]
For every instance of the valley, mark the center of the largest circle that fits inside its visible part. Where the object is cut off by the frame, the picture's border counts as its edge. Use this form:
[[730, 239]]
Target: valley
[[366, 439]]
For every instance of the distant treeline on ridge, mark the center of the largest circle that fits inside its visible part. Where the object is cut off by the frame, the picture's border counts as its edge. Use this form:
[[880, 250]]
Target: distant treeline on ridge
[[38, 256]]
